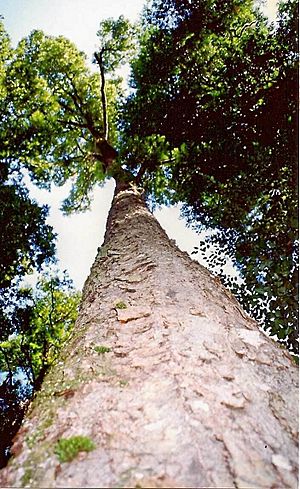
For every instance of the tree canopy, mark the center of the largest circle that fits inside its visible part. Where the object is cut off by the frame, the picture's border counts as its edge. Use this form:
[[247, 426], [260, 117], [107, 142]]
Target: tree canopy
[[54, 110]]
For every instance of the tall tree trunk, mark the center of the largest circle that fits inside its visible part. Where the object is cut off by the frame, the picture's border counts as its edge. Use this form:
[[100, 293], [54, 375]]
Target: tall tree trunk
[[172, 381]]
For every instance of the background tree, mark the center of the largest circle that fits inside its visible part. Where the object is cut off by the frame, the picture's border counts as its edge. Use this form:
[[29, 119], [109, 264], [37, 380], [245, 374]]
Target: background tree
[[28, 341], [26, 240], [212, 123], [26, 243], [33, 329]]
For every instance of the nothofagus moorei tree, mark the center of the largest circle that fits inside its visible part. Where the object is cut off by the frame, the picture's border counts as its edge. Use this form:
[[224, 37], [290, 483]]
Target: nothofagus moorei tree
[[170, 380], [166, 381]]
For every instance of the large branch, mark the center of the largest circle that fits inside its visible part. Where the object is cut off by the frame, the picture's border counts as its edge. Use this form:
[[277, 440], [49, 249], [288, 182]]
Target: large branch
[[80, 109], [99, 59]]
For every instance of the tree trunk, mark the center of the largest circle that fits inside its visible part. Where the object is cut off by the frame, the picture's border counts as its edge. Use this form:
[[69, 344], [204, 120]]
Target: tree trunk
[[173, 382]]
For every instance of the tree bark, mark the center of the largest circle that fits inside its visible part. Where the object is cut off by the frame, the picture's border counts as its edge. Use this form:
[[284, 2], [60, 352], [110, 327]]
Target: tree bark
[[173, 382]]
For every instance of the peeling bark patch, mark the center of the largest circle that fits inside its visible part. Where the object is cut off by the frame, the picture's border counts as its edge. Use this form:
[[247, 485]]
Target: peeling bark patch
[[132, 313], [198, 404], [226, 372], [126, 288], [281, 461], [234, 403], [197, 312], [254, 338], [135, 278]]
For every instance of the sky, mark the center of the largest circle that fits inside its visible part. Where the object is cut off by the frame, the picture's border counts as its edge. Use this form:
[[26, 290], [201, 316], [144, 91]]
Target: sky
[[80, 235]]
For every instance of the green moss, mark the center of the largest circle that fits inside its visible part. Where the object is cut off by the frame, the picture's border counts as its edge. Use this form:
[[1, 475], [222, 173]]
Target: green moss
[[31, 440], [67, 449], [40, 430], [108, 371], [49, 421], [102, 349], [121, 305], [28, 474], [295, 359], [33, 466]]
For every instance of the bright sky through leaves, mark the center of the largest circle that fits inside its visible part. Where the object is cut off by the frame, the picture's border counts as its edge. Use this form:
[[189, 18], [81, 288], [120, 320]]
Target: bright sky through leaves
[[80, 235]]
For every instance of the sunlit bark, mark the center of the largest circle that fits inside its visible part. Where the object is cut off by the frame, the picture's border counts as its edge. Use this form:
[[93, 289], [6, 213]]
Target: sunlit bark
[[172, 381]]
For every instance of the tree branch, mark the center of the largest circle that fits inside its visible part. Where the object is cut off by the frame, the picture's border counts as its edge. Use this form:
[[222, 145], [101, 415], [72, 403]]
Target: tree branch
[[79, 104], [99, 59], [10, 372], [73, 124]]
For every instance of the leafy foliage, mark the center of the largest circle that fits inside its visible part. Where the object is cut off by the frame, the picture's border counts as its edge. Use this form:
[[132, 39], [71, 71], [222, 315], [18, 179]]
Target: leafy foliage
[[26, 241], [33, 329], [215, 90], [52, 109], [55, 111], [117, 39]]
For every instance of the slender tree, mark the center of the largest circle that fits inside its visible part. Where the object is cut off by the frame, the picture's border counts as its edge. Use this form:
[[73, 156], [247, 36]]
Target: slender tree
[[35, 322]]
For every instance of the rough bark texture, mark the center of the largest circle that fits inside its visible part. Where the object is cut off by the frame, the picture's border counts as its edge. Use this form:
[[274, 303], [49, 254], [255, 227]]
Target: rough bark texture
[[191, 393]]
